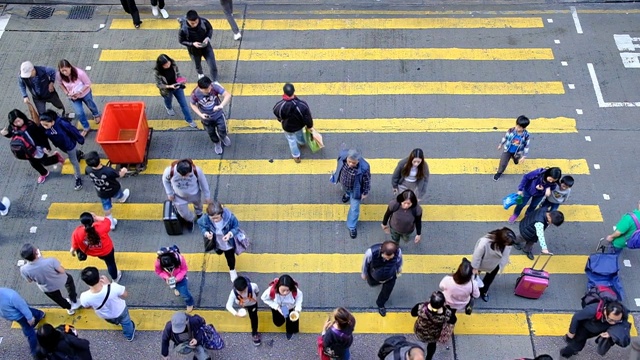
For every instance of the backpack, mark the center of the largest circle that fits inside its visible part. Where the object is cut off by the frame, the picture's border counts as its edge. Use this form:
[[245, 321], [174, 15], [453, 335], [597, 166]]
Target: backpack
[[393, 345], [600, 294], [22, 146], [249, 291], [211, 338], [272, 289], [184, 27], [169, 257], [173, 168], [634, 240]]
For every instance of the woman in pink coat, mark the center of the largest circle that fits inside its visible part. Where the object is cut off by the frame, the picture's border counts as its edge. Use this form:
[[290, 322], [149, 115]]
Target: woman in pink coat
[[460, 287], [171, 266]]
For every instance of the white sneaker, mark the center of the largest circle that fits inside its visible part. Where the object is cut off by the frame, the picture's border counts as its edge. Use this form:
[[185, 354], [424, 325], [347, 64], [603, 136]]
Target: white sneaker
[[170, 112], [71, 311], [6, 202], [114, 223], [74, 305], [164, 13], [125, 196], [154, 10], [200, 76], [233, 275], [117, 279], [193, 125], [237, 36]]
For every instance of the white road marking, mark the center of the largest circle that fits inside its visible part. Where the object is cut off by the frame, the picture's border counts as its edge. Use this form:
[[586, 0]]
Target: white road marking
[[596, 166], [88, 68], [598, 91], [606, 197], [579, 111], [630, 60], [44, 197], [4, 20], [627, 263], [556, 41], [102, 26], [624, 42], [33, 229], [576, 20], [95, 46], [571, 86], [637, 301], [564, 63], [587, 138], [550, 20]]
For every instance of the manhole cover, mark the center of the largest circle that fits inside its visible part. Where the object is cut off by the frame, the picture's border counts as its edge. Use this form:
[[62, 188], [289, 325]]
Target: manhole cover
[[40, 12], [81, 12]]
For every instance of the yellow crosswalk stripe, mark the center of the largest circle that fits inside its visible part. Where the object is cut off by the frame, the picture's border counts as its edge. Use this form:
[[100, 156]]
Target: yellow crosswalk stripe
[[544, 324], [313, 263], [557, 125], [364, 54], [349, 24], [454, 166], [321, 212], [358, 88]]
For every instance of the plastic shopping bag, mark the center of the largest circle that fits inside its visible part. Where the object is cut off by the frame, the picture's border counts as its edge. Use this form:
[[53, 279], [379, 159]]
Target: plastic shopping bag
[[312, 141], [510, 200]]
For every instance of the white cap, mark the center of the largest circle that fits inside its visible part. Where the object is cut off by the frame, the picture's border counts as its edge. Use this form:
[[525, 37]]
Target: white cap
[[25, 69]]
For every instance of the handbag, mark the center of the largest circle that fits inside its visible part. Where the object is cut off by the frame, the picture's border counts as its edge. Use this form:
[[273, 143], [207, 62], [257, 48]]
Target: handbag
[[209, 244], [468, 309], [241, 242], [312, 142], [81, 255], [320, 343], [446, 333], [510, 200]]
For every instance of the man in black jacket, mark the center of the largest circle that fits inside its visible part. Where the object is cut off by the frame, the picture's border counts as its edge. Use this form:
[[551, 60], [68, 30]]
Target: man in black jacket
[[381, 265], [294, 115], [597, 319], [532, 229], [195, 34], [184, 331]]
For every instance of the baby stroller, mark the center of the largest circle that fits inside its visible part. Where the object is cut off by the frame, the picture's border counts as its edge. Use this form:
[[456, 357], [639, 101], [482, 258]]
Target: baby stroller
[[602, 269]]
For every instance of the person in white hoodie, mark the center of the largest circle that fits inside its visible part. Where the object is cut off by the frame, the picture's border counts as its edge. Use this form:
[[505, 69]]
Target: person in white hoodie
[[283, 296], [185, 183], [245, 294]]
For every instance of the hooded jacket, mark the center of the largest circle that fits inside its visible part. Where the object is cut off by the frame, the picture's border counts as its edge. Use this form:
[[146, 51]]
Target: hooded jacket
[[63, 135]]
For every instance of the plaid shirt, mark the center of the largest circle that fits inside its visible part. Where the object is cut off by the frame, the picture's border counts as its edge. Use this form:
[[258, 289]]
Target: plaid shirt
[[348, 177]]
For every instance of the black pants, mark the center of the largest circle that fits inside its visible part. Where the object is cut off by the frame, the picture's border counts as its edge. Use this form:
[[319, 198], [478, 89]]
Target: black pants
[[130, 7], [230, 255], [216, 128], [52, 98], [385, 292], [110, 261], [56, 296], [253, 316], [207, 53], [578, 342], [431, 350], [488, 279], [39, 164], [292, 327], [504, 161], [158, 3]]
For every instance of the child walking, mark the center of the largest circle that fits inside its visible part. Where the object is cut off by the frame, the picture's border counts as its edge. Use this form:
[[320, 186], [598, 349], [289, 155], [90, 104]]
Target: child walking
[[105, 180], [559, 195], [514, 145], [171, 267], [245, 294]]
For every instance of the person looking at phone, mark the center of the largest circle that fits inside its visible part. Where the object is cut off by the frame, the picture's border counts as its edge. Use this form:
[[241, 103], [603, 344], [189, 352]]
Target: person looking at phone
[[205, 101]]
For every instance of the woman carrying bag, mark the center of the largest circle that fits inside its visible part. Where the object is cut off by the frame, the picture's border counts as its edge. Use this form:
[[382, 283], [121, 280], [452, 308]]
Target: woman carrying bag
[[460, 289], [220, 228], [337, 335], [491, 255], [434, 322], [92, 239]]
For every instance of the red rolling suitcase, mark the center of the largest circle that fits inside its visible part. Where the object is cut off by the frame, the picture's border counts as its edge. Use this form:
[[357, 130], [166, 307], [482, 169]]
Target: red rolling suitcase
[[532, 283]]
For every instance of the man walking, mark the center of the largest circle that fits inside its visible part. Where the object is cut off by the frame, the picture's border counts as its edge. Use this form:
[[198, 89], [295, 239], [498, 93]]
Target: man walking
[[532, 229], [50, 277], [196, 33], [294, 115], [184, 331], [185, 183], [353, 174], [40, 81], [381, 265], [107, 300], [205, 101], [227, 6], [14, 308], [627, 225]]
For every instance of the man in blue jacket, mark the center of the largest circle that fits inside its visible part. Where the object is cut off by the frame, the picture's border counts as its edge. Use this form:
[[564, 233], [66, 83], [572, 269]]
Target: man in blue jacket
[[353, 174], [14, 308], [40, 81]]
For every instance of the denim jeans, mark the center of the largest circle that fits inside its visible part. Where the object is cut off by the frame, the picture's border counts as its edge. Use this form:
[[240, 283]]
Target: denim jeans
[[354, 211], [295, 139], [106, 202], [183, 289], [79, 110], [29, 331], [182, 101], [549, 205], [124, 320], [535, 200]]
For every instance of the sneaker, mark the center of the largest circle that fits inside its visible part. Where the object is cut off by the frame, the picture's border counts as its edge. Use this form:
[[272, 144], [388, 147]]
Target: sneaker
[[289, 336], [6, 202], [78, 185], [133, 335], [125, 195], [496, 177], [382, 311], [117, 279], [296, 159], [171, 112], [257, 339], [114, 223], [176, 292], [353, 233], [237, 36], [164, 13], [137, 26], [233, 275], [193, 125], [218, 148], [226, 141], [530, 255], [200, 76], [60, 158], [42, 178], [346, 198], [512, 219], [154, 10], [71, 311], [75, 305]]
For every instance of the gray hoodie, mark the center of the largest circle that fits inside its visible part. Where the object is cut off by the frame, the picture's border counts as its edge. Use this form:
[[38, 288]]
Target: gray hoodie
[[185, 186]]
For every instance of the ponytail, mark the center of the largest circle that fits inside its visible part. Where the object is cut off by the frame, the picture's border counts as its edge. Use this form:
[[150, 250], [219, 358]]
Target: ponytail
[[92, 235]]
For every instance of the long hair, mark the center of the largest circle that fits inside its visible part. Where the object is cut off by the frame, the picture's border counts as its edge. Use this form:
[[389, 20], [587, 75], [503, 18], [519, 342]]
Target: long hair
[[501, 238], [415, 153], [73, 75], [343, 318], [161, 60], [48, 337], [464, 273], [92, 235], [407, 195], [14, 114]]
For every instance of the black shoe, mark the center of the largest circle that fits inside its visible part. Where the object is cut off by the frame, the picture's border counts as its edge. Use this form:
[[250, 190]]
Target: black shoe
[[346, 198], [78, 185], [496, 177], [566, 353], [530, 255], [353, 233], [382, 311], [289, 336], [484, 297], [517, 246]]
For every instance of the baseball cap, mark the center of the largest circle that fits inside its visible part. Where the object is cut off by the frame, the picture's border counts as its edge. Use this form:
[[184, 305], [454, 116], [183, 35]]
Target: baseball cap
[[25, 69], [178, 322]]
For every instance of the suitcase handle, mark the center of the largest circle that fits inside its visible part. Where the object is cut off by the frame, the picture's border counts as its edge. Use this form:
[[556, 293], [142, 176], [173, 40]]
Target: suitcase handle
[[533, 267]]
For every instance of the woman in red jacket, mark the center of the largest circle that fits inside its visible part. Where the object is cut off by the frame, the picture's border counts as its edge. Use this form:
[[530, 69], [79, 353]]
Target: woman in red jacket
[[92, 238]]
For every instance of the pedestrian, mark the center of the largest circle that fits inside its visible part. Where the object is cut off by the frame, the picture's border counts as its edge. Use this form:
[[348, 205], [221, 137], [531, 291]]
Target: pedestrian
[[50, 277], [245, 294], [184, 331], [532, 229], [30, 142], [625, 227], [4, 206], [337, 334], [535, 186], [205, 101], [353, 174], [514, 145], [382, 264], [92, 239], [433, 318], [411, 173], [227, 6], [284, 297], [185, 183], [171, 266], [398, 348], [196, 33], [402, 217], [75, 83], [65, 137], [293, 114], [172, 84], [459, 288], [221, 224], [14, 308], [105, 181], [130, 8], [56, 344], [107, 300], [559, 195], [602, 319], [40, 81], [491, 255], [158, 4]]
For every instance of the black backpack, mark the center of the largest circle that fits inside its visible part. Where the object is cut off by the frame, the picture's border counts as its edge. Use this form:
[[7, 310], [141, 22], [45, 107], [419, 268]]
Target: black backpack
[[393, 345], [22, 146]]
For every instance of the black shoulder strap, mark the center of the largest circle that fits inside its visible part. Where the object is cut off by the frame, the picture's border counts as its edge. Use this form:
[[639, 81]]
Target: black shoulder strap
[[105, 298]]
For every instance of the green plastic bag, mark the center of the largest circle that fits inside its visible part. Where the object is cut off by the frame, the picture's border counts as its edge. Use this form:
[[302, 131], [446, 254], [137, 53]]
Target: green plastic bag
[[313, 144]]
